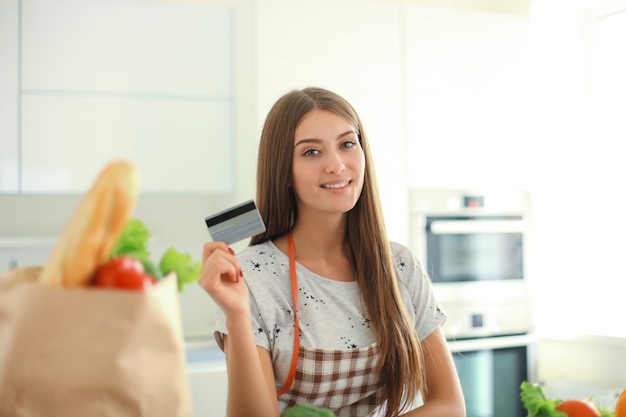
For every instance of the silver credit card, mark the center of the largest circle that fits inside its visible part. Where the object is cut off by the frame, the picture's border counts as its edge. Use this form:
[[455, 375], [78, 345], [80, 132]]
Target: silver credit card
[[236, 223]]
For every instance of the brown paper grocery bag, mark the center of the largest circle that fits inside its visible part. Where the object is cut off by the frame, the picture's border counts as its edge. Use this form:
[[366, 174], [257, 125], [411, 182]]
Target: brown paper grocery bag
[[90, 352]]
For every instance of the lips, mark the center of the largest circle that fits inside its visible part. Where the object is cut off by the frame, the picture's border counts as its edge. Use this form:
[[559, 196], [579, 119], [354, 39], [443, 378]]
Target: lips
[[335, 185]]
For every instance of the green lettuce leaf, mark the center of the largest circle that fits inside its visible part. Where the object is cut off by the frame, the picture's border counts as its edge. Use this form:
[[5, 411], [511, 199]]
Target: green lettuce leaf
[[133, 241], [187, 270], [536, 403], [308, 410]]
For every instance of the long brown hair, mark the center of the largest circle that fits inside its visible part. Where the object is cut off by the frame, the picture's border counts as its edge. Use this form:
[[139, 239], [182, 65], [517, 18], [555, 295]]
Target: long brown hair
[[401, 370]]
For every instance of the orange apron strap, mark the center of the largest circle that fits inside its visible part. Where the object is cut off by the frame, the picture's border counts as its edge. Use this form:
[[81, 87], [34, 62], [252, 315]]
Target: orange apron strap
[[296, 337]]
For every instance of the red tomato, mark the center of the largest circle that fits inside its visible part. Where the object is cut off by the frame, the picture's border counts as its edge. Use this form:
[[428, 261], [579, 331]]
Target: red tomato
[[123, 272], [578, 408]]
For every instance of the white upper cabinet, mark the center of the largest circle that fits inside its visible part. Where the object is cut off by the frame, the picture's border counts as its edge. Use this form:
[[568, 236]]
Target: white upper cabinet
[[126, 47], [9, 147], [148, 80], [179, 146]]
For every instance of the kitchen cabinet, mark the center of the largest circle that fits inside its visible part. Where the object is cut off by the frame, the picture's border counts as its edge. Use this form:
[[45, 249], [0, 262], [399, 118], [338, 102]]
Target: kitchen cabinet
[[150, 81], [9, 151], [208, 381], [180, 146], [147, 47]]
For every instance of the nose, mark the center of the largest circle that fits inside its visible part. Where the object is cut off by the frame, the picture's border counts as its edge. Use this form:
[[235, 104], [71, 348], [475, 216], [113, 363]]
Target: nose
[[335, 163]]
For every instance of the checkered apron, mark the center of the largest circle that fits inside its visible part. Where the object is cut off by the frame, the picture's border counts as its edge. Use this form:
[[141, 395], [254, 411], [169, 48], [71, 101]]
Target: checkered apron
[[345, 381]]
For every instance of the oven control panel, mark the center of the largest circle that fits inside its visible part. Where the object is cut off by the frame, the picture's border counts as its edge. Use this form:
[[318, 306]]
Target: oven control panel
[[478, 320], [470, 321]]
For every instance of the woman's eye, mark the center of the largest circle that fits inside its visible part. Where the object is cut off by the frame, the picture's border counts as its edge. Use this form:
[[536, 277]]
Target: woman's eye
[[310, 152], [348, 144]]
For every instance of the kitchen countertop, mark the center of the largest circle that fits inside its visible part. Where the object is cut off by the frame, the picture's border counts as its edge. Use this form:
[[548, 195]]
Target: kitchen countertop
[[205, 360], [203, 355]]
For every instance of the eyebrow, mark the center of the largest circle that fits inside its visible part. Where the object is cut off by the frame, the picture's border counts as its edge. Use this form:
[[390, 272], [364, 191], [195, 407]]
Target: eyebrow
[[314, 140]]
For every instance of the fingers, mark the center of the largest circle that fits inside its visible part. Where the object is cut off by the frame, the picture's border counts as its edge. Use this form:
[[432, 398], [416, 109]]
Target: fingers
[[219, 263], [221, 279], [210, 247]]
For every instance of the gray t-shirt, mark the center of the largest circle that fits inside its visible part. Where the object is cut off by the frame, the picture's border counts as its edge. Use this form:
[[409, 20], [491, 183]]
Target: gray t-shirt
[[331, 313]]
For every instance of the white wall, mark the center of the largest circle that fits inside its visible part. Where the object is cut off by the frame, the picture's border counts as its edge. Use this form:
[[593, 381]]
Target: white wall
[[470, 97], [579, 173]]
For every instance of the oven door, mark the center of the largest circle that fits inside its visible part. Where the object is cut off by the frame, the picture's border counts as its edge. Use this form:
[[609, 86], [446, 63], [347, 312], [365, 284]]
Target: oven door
[[475, 248], [491, 371]]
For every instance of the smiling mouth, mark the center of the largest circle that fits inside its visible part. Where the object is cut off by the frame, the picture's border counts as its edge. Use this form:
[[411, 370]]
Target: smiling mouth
[[336, 185]]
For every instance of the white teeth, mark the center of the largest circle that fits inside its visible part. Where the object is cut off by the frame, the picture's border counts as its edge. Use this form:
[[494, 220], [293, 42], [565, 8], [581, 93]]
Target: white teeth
[[342, 184]]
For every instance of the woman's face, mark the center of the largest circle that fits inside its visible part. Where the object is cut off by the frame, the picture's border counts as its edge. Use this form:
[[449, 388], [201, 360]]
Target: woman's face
[[328, 163]]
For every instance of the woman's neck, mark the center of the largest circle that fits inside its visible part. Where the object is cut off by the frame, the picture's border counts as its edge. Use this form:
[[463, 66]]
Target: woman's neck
[[320, 248], [319, 236], [317, 242]]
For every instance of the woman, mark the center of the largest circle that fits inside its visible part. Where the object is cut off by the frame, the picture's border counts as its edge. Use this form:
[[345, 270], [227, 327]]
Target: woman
[[366, 327]]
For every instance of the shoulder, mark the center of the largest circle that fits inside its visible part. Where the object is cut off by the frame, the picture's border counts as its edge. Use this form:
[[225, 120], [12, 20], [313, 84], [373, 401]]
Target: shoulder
[[402, 256], [260, 252], [263, 263], [416, 290], [408, 267], [398, 249]]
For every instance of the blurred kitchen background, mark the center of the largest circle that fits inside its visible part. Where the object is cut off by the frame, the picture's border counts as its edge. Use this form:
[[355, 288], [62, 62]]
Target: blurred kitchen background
[[476, 96]]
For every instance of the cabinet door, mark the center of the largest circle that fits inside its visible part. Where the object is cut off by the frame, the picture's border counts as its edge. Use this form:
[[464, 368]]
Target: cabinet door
[[146, 47], [149, 80], [9, 150], [180, 146]]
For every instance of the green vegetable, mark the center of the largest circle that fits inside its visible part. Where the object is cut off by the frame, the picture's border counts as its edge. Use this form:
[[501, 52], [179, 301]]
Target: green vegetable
[[538, 405], [308, 410], [183, 264], [604, 411], [151, 268], [133, 241], [536, 402]]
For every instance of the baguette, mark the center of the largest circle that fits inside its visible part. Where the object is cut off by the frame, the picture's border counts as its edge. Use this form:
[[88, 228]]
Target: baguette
[[91, 233]]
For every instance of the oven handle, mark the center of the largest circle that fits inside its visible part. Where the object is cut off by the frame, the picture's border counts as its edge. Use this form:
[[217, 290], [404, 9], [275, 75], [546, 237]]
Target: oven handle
[[439, 227], [490, 343]]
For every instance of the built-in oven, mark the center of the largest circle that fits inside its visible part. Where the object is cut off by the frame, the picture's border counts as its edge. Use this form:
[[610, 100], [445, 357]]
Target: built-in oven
[[474, 245], [472, 248]]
